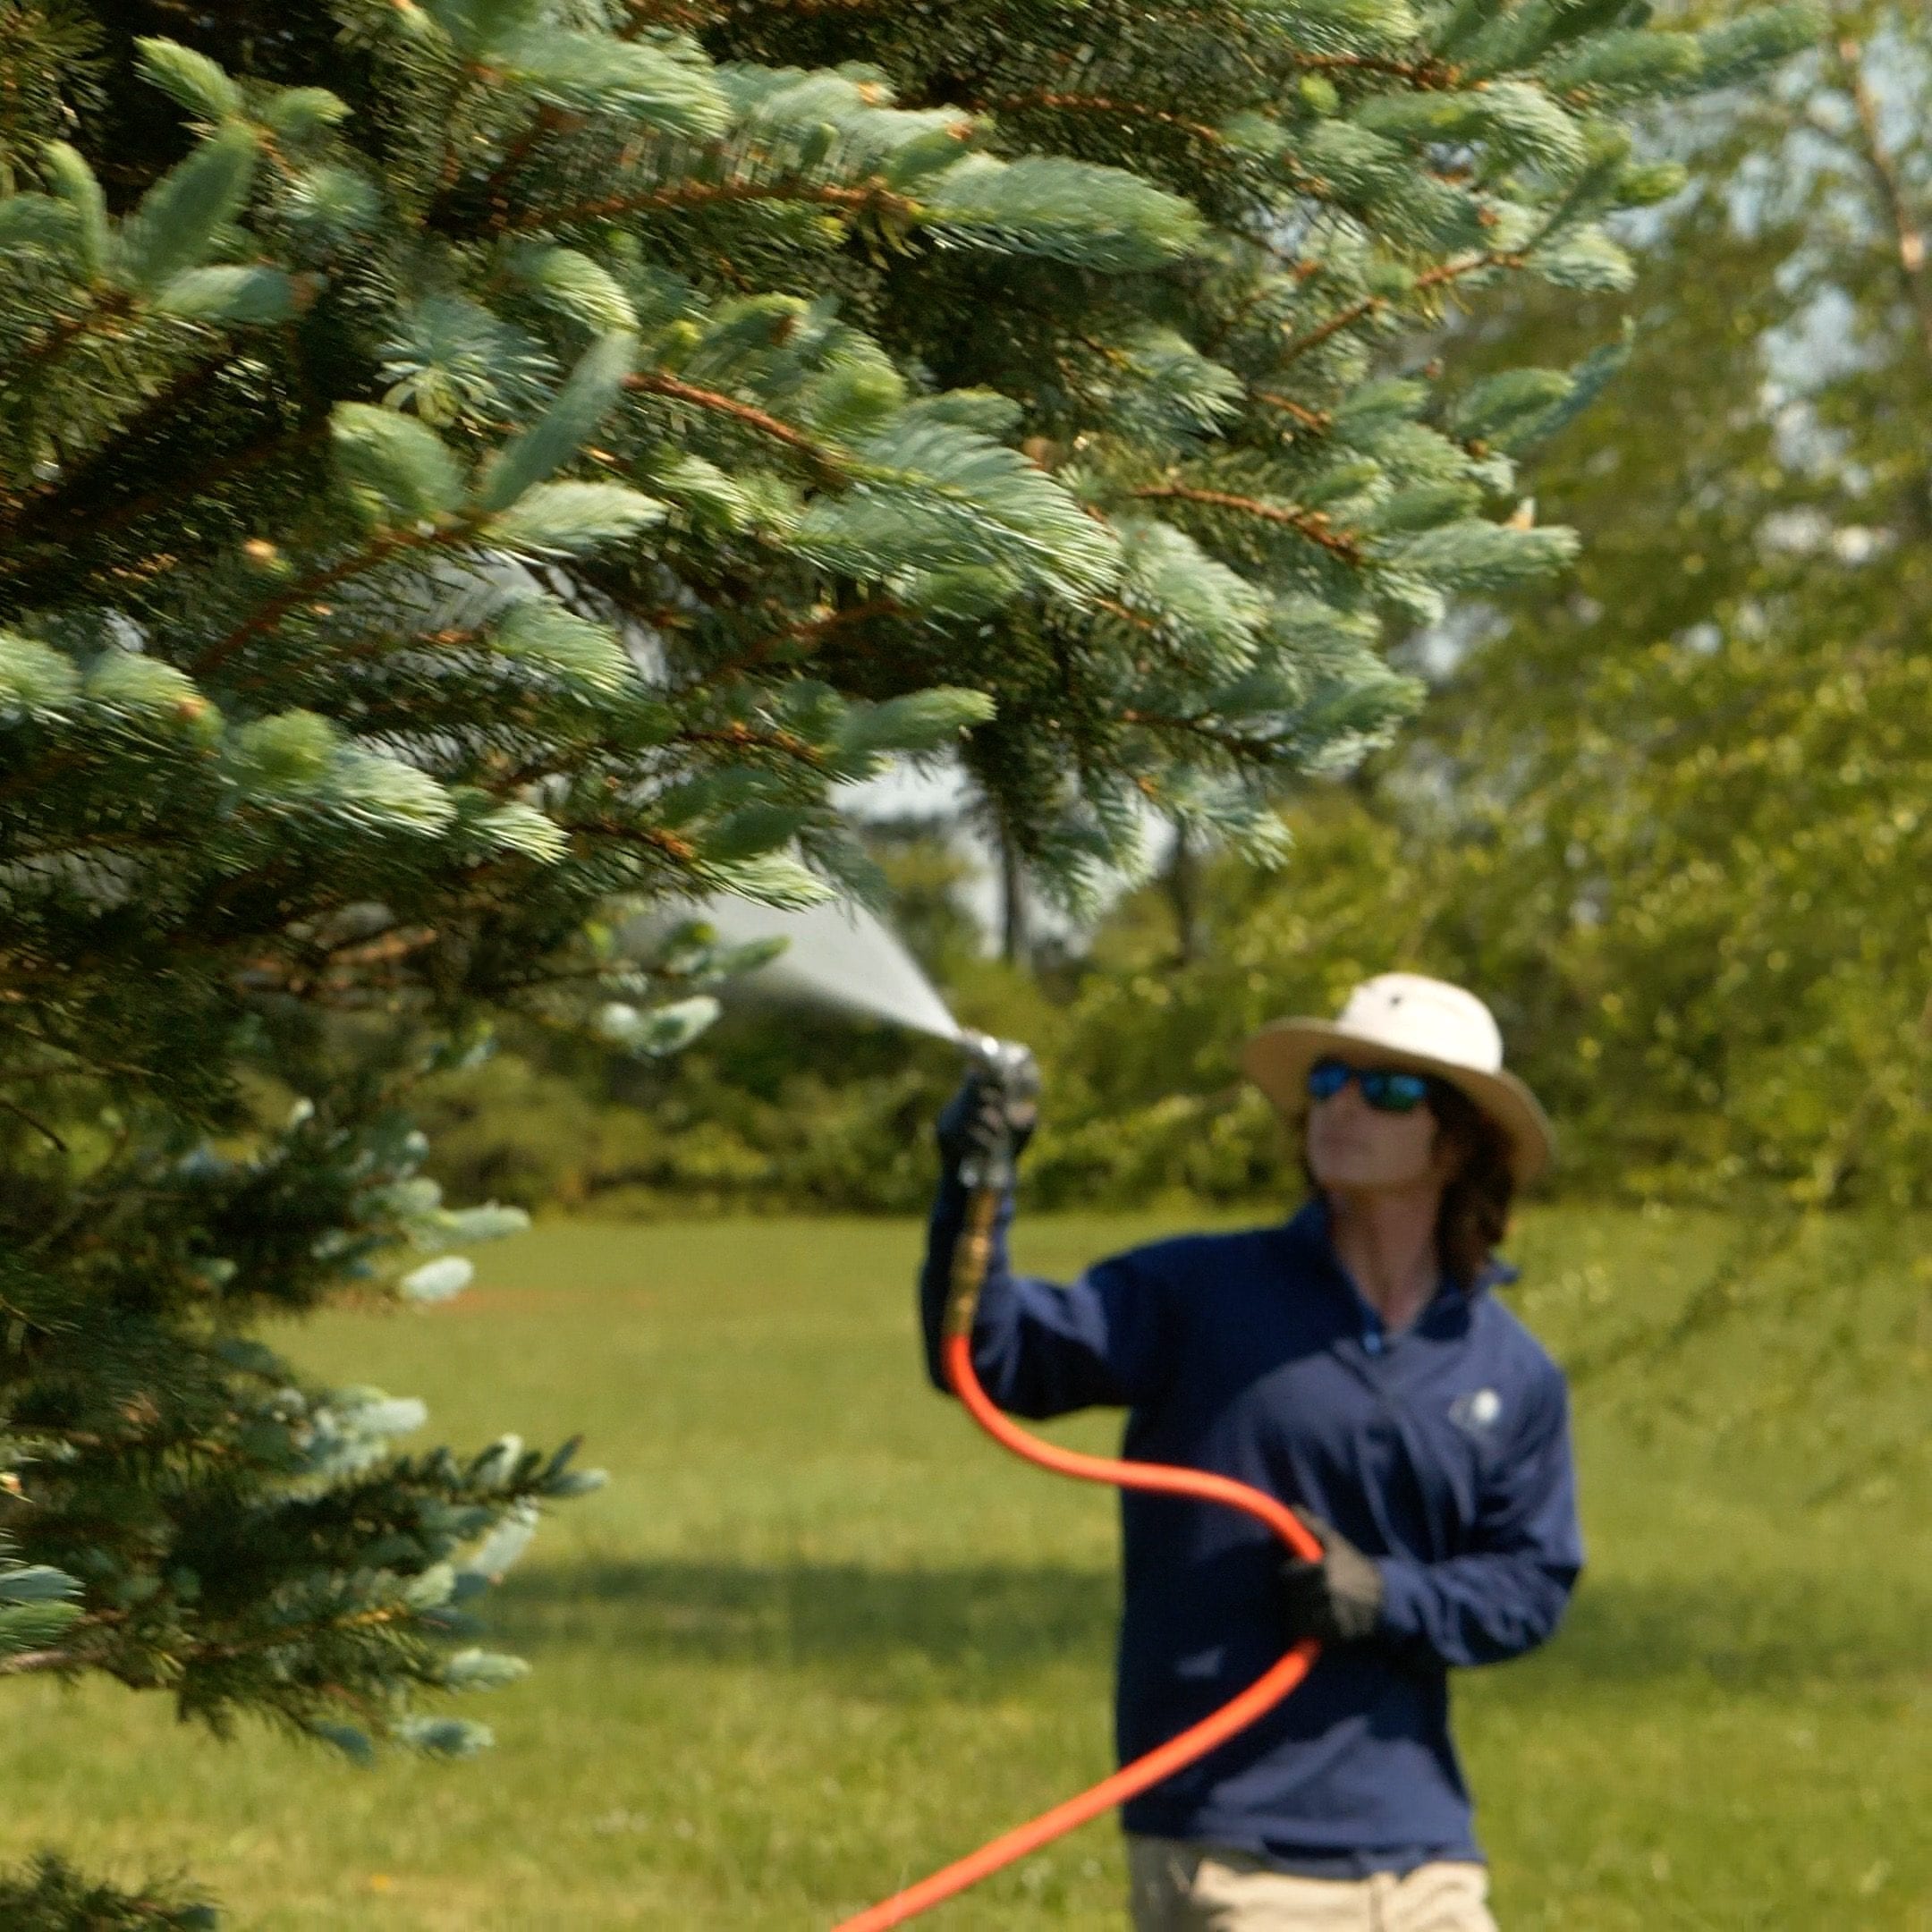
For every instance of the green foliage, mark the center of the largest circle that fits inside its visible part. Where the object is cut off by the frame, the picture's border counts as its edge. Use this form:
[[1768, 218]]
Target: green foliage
[[51, 1896], [36, 1606]]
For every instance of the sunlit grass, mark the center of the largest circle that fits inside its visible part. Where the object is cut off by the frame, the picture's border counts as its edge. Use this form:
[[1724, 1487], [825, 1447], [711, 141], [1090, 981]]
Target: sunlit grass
[[817, 1636]]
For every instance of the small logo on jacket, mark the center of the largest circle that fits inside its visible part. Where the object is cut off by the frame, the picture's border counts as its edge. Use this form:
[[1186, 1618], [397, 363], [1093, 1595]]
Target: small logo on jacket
[[1478, 1412]]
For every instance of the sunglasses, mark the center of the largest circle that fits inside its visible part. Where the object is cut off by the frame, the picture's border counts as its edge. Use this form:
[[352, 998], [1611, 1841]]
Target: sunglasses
[[1387, 1089]]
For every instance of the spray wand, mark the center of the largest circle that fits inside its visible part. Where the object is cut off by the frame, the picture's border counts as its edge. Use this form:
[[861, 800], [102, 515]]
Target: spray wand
[[1009, 1069]]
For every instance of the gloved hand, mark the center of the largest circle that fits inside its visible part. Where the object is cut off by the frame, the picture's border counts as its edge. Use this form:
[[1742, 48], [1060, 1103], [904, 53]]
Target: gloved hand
[[985, 1110], [1337, 1600]]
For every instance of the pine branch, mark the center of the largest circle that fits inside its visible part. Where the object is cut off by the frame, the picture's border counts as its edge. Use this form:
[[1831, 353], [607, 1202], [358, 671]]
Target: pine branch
[[1372, 305], [447, 213], [1425, 74], [874, 198], [24, 1663], [806, 631], [1318, 422], [115, 444], [495, 193], [31, 777], [1101, 103], [1139, 620], [687, 16], [109, 307], [655, 836], [808, 8], [390, 543], [832, 467], [1313, 524], [447, 636], [1237, 745], [39, 1125], [38, 512], [744, 738]]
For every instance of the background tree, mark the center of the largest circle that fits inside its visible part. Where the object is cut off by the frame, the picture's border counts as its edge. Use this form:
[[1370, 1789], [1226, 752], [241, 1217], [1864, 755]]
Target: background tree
[[470, 468], [1690, 804]]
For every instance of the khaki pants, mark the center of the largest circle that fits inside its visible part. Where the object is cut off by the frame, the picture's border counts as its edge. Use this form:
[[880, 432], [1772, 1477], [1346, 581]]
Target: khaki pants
[[1182, 1887]]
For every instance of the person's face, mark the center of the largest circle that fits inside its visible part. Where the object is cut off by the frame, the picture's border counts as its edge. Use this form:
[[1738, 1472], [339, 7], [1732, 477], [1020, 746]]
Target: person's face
[[1355, 1148]]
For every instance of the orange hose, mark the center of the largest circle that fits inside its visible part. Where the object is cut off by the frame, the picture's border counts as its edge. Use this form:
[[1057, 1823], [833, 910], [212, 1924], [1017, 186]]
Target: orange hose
[[1196, 1742]]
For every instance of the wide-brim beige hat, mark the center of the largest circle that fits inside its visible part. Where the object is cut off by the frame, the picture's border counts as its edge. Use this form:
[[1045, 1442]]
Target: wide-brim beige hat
[[1407, 1019]]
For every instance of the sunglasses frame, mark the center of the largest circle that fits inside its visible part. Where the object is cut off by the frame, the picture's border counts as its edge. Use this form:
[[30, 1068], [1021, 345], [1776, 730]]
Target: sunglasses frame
[[1375, 1083]]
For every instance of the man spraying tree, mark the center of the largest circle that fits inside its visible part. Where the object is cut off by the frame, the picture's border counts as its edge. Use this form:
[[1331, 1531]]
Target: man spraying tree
[[1354, 1362]]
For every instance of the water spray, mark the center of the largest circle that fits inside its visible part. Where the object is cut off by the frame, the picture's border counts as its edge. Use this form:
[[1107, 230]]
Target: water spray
[[850, 961]]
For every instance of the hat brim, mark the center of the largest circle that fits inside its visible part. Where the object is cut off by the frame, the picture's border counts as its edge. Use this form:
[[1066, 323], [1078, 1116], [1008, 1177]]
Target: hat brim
[[1278, 1057]]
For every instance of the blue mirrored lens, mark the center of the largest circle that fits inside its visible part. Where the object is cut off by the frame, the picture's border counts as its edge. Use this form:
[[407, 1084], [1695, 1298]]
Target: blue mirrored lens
[[1327, 1078], [1393, 1091]]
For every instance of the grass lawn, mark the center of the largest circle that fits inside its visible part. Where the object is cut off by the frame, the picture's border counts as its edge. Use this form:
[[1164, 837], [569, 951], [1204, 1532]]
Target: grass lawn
[[817, 1637]]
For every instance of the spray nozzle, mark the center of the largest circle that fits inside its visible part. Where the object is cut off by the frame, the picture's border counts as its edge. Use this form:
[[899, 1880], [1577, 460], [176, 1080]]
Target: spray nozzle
[[1004, 1064], [1008, 1079]]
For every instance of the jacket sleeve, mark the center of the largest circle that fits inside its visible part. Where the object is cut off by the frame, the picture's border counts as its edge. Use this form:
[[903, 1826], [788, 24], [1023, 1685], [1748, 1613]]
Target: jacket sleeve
[[1042, 1349], [1506, 1594]]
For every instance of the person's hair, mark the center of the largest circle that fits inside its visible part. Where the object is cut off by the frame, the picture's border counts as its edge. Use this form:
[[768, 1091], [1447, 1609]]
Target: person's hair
[[1474, 1214], [1475, 1211]]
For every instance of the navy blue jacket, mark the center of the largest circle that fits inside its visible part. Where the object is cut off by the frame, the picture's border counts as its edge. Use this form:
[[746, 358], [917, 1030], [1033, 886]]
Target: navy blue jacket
[[1443, 1452]]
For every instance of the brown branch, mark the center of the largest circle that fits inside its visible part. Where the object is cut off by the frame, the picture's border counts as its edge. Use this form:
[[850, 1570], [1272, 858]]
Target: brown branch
[[1908, 239], [1258, 749], [702, 194], [110, 308], [1356, 311], [1102, 104], [1139, 620], [1432, 74], [668, 843], [1319, 421], [825, 6], [39, 1126], [548, 120], [23, 1661], [878, 606], [37, 504], [271, 613], [742, 738], [696, 15], [1435, 277], [493, 192], [656, 383], [475, 77], [451, 637], [182, 489], [78, 1069], [1313, 524], [767, 648], [691, 17], [38, 775]]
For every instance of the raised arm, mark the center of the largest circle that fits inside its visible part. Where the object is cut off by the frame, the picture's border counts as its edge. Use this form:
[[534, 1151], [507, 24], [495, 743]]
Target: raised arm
[[1042, 1349]]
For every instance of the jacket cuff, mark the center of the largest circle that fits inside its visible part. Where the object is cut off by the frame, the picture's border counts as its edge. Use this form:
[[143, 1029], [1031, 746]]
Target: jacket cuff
[[1405, 1598]]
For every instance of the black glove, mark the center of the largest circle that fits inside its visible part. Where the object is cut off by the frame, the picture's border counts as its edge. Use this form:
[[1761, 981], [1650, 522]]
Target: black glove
[[1337, 1600], [984, 1113]]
